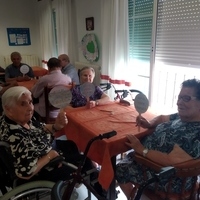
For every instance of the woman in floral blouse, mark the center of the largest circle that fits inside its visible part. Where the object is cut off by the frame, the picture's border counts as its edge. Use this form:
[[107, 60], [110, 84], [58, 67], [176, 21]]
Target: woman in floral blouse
[[30, 140], [176, 139]]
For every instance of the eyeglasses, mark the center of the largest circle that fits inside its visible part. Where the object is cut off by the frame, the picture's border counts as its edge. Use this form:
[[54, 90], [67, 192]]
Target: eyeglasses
[[186, 98]]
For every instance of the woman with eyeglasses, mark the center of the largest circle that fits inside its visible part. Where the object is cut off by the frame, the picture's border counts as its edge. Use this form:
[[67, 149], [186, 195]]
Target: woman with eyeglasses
[[176, 139]]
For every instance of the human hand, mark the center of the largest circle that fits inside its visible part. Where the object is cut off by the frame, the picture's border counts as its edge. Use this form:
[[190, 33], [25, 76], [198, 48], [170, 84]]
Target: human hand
[[61, 120], [134, 143], [142, 122], [23, 78], [91, 104], [27, 78]]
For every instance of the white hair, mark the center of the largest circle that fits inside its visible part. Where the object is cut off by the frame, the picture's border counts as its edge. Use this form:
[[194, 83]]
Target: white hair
[[12, 95]]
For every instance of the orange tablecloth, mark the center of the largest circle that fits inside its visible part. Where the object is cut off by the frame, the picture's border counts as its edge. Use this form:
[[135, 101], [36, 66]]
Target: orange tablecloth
[[85, 124], [39, 71], [27, 84]]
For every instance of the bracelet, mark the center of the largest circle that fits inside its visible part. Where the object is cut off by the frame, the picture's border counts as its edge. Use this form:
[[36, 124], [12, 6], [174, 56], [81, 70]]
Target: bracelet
[[54, 129], [48, 157]]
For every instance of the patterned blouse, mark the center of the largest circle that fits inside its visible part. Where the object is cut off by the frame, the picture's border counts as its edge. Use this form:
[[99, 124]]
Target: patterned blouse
[[79, 100], [165, 136], [27, 145]]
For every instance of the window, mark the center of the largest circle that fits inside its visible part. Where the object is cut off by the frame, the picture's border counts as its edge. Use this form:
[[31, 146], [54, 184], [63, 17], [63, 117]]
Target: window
[[140, 39], [178, 31], [177, 50]]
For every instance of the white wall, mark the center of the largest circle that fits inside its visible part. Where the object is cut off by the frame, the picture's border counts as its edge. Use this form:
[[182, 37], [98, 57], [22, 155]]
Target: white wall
[[84, 9], [23, 14], [18, 14]]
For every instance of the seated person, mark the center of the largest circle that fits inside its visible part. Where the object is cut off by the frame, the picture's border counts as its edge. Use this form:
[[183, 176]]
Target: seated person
[[12, 72], [87, 74], [30, 140], [68, 68], [53, 78], [176, 139]]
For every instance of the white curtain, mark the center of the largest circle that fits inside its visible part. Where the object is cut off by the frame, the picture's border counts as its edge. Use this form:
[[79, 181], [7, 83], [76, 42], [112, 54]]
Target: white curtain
[[66, 28], [115, 41], [46, 30]]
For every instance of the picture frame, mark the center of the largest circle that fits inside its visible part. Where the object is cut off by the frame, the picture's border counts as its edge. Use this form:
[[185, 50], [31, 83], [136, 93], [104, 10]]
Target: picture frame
[[89, 22]]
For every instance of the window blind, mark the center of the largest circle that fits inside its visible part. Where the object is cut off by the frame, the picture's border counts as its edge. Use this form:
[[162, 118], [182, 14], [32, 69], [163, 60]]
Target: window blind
[[178, 33], [140, 29]]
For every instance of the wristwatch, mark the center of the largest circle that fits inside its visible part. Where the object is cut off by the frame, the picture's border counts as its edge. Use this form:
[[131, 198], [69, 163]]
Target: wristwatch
[[145, 152]]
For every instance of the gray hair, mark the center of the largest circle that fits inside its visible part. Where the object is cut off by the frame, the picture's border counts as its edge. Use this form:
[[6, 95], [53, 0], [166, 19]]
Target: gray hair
[[86, 67], [15, 54], [12, 95]]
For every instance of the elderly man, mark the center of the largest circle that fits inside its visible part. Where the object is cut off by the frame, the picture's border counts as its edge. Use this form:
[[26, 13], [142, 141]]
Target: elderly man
[[12, 72], [68, 68]]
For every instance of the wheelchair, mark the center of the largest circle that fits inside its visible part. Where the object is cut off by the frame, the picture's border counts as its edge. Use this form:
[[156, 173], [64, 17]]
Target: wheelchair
[[63, 190], [23, 189]]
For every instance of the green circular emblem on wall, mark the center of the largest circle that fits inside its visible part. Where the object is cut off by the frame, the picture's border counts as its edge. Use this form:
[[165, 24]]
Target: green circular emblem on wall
[[90, 47]]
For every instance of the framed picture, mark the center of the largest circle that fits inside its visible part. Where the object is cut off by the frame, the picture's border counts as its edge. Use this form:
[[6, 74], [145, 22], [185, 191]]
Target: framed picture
[[89, 23]]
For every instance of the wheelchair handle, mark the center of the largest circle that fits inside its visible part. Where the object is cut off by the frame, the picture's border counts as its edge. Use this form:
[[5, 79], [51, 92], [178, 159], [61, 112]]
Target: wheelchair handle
[[116, 91], [107, 135]]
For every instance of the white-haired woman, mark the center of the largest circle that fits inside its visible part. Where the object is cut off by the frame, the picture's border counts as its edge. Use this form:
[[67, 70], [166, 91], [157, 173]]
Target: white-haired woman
[[30, 140], [87, 74]]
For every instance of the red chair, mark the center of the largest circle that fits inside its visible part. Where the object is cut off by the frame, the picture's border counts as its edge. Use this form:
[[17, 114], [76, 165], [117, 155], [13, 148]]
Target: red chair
[[184, 170]]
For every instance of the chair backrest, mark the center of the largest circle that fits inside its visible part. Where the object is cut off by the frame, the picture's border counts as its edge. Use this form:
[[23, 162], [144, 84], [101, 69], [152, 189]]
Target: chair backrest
[[105, 86], [49, 107], [184, 170], [122, 94]]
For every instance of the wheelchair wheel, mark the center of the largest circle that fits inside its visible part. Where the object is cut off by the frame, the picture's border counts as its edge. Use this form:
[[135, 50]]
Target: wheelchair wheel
[[59, 189], [30, 191]]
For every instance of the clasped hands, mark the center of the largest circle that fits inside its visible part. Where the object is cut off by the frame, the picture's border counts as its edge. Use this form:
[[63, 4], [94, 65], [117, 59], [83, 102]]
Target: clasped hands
[[91, 104], [23, 78]]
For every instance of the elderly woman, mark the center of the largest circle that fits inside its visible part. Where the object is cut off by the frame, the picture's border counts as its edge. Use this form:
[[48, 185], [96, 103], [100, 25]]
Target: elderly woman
[[176, 139], [87, 74], [30, 140]]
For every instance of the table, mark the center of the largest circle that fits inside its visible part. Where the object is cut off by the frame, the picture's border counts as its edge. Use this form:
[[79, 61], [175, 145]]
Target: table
[[27, 84], [2, 76], [39, 71], [85, 124]]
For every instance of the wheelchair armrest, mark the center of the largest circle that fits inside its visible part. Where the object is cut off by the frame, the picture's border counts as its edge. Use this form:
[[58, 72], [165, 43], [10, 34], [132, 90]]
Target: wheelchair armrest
[[54, 162], [184, 169], [188, 168]]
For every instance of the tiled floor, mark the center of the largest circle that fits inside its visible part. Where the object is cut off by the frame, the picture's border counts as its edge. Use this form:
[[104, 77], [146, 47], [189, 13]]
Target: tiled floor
[[82, 194]]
